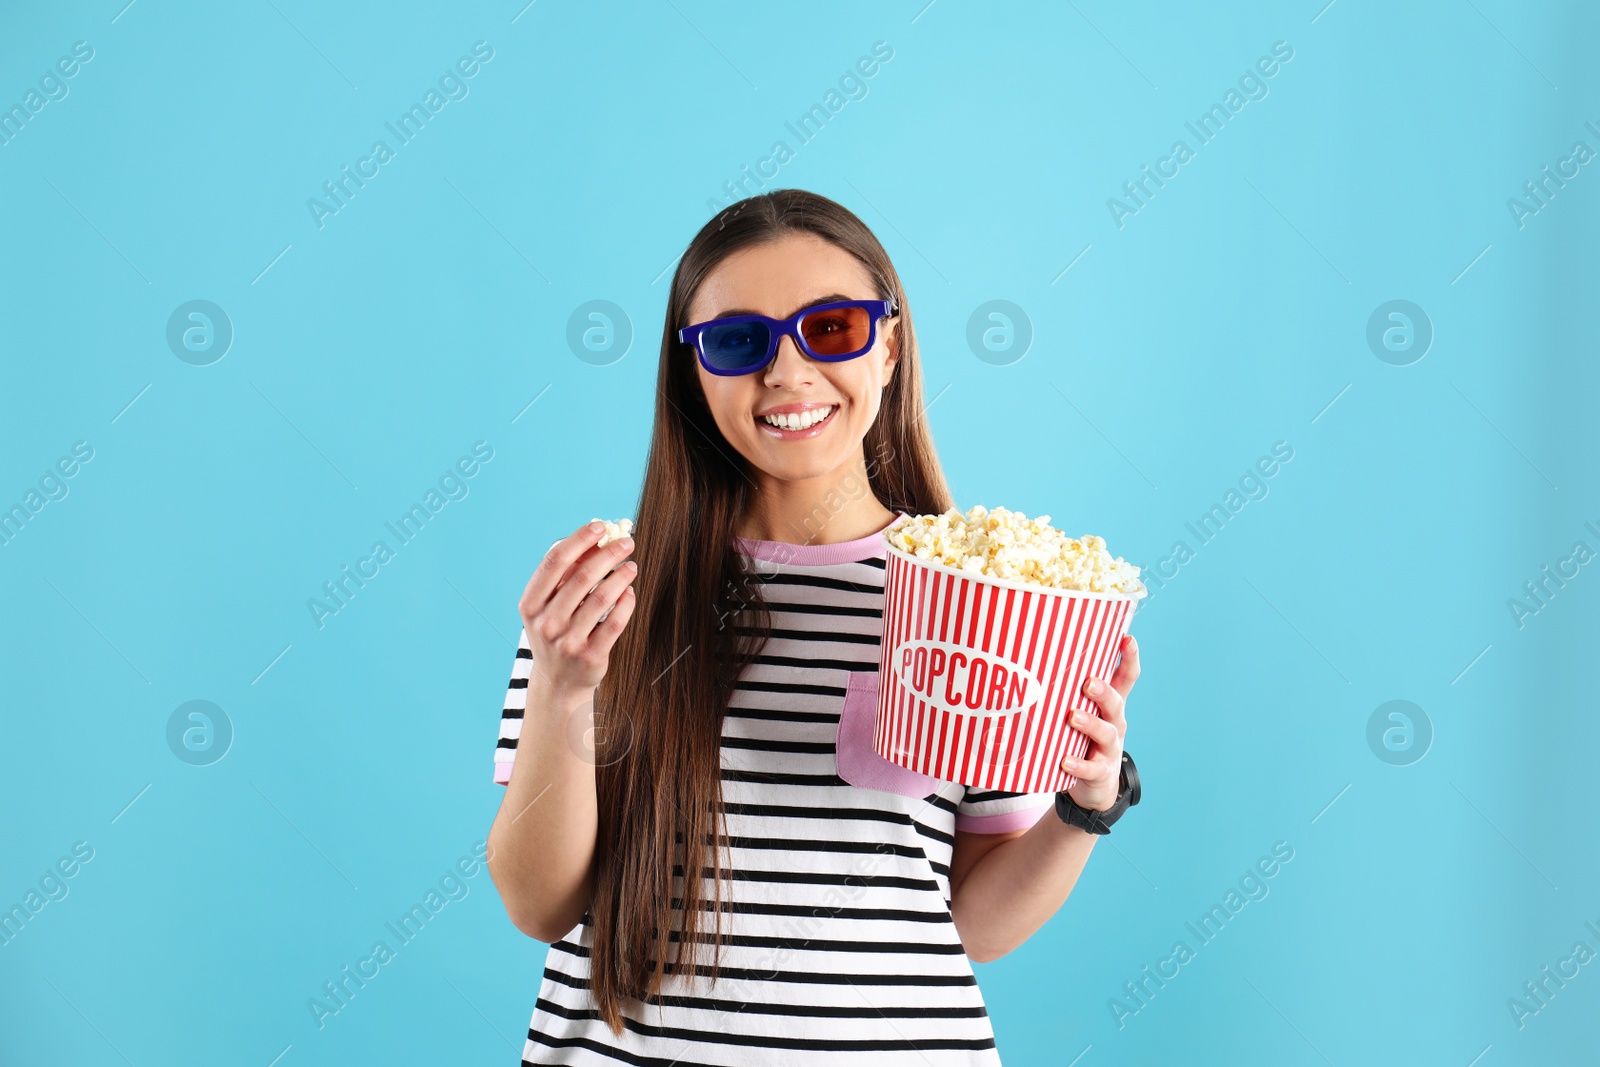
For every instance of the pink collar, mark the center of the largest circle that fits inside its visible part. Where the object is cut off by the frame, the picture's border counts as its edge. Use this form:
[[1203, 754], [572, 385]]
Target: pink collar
[[868, 547]]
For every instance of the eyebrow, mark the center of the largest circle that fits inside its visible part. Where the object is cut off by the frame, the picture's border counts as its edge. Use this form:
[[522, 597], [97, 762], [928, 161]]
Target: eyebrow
[[830, 298]]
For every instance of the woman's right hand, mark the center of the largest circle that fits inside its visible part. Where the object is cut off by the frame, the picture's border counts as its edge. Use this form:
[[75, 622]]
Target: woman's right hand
[[562, 605]]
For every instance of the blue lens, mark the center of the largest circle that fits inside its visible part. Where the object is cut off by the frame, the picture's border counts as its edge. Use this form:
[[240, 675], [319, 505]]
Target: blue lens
[[736, 345]]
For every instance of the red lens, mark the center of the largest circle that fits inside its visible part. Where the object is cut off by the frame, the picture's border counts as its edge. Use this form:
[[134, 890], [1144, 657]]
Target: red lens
[[837, 331]]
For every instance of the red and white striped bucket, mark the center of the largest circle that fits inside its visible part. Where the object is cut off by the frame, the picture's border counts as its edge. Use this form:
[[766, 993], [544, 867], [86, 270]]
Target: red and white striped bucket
[[978, 676]]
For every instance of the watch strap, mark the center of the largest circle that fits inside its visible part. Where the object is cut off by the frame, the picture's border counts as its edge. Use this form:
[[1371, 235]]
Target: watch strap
[[1100, 822]]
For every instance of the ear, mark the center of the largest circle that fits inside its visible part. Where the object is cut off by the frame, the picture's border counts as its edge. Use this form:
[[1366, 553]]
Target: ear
[[891, 341]]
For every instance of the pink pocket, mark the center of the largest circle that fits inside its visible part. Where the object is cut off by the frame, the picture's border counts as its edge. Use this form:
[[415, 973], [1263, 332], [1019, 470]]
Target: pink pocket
[[859, 762]]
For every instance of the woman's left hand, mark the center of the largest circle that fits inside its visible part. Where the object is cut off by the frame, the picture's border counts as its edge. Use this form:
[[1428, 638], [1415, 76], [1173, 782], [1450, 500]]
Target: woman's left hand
[[1099, 774]]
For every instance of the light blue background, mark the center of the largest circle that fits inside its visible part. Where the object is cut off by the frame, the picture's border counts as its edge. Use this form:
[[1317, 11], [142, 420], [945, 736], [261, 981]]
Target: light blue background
[[1228, 314]]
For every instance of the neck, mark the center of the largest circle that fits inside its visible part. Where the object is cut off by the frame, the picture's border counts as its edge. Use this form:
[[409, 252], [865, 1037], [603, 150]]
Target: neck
[[825, 510]]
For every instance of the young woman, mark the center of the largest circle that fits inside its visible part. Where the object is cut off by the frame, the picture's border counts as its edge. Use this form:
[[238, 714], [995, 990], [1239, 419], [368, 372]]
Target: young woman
[[709, 708]]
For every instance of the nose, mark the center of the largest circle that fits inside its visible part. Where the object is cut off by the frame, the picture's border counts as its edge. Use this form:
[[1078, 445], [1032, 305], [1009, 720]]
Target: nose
[[790, 367]]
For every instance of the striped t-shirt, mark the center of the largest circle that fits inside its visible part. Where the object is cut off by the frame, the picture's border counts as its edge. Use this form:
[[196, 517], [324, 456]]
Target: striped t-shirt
[[843, 949]]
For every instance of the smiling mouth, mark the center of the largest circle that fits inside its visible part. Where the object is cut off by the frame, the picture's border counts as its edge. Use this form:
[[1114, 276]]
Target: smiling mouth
[[798, 424]]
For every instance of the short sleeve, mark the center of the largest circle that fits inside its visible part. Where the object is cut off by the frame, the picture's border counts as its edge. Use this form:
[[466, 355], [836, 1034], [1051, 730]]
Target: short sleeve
[[505, 752], [992, 811]]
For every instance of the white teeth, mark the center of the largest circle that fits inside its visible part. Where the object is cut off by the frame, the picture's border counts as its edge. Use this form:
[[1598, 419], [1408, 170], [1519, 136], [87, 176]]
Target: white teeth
[[800, 420]]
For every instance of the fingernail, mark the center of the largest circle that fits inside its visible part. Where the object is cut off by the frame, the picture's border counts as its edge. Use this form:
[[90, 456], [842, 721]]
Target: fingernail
[[1094, 685], [596, 526]]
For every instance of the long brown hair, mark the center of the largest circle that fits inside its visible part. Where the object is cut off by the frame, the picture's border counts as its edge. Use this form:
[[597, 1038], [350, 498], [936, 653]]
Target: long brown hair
[[659, 708]]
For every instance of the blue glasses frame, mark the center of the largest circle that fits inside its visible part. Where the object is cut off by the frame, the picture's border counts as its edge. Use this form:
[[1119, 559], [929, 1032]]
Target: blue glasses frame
[[778, 329]]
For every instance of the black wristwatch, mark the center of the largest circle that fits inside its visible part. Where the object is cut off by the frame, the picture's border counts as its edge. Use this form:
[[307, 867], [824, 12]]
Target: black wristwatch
[[1099, 822]]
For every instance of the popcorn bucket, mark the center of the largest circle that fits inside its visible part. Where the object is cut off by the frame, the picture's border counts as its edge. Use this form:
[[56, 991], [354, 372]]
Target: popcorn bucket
[[978, 676]]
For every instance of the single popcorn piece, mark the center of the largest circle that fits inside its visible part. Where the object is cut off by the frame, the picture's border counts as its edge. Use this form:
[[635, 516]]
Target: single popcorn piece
[[615, 531], [1007, 544]]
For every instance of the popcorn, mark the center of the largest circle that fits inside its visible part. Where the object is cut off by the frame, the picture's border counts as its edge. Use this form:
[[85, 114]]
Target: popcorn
[[615, 531], [1009, 545]]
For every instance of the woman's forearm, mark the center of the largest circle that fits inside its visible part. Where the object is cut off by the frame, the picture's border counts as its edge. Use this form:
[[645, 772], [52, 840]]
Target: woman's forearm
[[542, 843], [1017, 886]]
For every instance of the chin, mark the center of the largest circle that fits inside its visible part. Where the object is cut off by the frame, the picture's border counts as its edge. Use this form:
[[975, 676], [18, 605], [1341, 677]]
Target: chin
[[795, 468]]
